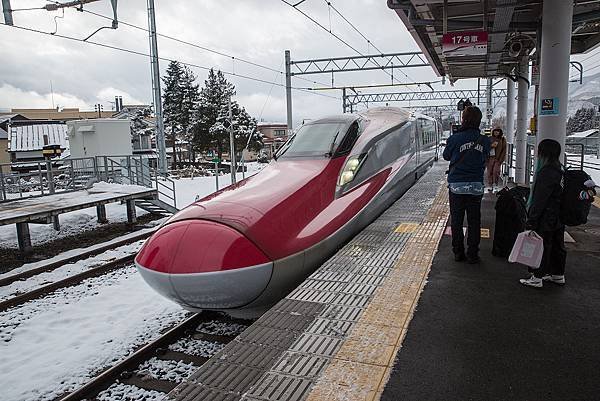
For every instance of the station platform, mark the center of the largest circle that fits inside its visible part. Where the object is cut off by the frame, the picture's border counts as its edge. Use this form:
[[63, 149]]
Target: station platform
[[46, 209], [391, 316]]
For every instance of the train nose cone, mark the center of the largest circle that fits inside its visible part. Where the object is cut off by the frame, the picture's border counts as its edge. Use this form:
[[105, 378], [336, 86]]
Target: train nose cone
[[204, 265]]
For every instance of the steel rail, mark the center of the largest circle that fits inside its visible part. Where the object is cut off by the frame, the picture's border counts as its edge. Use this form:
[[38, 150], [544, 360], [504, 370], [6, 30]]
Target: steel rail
[[66, 282], [4, 281], [98, 383]]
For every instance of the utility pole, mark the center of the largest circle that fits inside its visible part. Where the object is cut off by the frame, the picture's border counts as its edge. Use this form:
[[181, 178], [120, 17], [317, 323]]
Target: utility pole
[[158, 112], [232, 146], [489, 108], [8, 19], [288, 90]]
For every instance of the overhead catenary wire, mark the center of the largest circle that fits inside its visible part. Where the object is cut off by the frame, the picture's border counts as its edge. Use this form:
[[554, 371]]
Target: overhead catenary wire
[[135, 52], [335, 35], [182, 41], [330, 4]]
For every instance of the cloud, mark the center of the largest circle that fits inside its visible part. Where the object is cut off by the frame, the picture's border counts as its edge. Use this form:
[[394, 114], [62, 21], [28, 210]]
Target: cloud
[[255, 30], [11, 97]]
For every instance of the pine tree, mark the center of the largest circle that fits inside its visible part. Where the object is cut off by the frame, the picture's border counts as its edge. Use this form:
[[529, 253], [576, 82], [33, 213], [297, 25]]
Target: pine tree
[[583, 119], [245, 128], [172, 101], [212, 109], [189, 104]]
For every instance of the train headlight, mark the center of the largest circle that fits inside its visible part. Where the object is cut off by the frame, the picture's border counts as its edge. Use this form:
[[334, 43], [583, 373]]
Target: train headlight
[[346, 177], [349, 170], [352, 164]]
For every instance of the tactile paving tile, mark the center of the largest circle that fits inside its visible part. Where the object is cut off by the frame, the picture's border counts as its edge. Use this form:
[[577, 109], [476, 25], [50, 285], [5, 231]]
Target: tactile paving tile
[[277, 387], [256, 334], [226, 377], [303, 308], [253, 355], [284, 321], [324, 285], [328, 275], [311, 295], [302, 365], [341, 312], [360, 289], [316, 344], [368, 279], [193, 392], [351, 300], [330, 327]]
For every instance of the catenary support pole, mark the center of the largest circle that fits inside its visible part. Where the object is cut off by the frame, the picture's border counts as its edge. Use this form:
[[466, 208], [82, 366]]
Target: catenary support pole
[[557, 18], [158, 112], [510, 110], [8, 19], [344, 100], [510, 123], [521, 133], [232, 158], [288, 90], [489, 105]]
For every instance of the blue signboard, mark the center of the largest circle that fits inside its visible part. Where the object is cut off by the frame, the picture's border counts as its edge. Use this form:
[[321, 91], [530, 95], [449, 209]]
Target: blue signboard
[[549, 106]]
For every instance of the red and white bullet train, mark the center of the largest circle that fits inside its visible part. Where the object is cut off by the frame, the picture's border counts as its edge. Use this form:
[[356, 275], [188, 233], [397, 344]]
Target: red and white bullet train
[[249, 244]]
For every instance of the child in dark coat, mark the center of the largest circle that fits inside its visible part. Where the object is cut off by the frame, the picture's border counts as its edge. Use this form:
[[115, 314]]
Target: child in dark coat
[[544, 215]]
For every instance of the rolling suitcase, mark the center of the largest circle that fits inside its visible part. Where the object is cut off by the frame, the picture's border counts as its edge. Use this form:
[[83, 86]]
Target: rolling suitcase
[[511, 215]]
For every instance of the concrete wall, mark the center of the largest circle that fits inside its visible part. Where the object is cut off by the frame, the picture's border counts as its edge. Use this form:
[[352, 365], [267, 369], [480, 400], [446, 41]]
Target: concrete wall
[[99, 137]]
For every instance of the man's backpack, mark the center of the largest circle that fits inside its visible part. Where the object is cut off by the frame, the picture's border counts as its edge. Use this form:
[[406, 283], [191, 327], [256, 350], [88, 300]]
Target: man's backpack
[[577, 198]]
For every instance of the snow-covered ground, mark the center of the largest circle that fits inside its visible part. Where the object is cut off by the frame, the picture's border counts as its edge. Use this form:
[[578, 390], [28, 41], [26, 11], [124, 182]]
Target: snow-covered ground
[[57, 343], [189, 189], [20, 287], [78, 251], [594, 173]]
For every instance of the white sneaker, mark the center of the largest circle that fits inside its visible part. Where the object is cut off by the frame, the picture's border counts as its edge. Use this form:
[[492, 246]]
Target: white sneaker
[[532, 281], [556, 279]]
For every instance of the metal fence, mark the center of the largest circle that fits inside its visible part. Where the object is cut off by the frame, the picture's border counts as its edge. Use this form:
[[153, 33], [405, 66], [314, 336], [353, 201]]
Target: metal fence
[[34, 179], [591, 145], [575, 158]]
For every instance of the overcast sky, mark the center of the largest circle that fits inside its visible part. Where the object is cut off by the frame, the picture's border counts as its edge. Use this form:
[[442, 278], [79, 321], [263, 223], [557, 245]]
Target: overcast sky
[[257, 30]]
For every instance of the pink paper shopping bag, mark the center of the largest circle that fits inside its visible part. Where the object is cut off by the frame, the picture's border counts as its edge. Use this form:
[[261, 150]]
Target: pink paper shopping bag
[[528, 249]]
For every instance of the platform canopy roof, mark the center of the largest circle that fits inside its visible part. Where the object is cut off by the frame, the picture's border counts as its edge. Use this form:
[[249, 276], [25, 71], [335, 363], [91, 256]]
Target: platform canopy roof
[[505, 22]]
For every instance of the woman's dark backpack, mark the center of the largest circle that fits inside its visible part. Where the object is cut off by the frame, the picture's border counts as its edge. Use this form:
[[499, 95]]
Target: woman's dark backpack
[[576, 199]]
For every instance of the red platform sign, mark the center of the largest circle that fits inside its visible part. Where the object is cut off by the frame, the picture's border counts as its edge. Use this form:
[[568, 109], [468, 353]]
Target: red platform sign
[[469, 43]]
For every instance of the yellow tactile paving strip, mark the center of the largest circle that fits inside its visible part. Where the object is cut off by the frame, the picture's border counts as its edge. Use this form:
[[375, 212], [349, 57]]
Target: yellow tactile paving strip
[[361, 368]]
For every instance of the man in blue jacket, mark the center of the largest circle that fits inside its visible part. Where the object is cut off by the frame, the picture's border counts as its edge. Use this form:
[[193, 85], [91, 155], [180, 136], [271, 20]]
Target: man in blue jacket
[[467, 150]]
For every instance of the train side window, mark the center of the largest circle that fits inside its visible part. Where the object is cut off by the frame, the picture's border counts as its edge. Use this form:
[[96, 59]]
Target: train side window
[[349, 140], [384, 152], [427, 131]]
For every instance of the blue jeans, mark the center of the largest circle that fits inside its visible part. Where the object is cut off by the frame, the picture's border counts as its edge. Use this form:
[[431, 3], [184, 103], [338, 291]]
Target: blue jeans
[[471, 205]]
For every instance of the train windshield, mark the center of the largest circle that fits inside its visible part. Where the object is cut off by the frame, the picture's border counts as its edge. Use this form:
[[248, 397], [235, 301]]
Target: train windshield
[[318, 139]]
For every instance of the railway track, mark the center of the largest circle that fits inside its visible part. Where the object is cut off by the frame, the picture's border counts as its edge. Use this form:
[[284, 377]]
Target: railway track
[[156, 368], [8, 278], [69, 281]]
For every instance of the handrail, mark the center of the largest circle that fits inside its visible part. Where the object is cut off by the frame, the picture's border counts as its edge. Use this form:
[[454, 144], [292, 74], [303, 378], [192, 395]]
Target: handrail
[[168, 191], [37, 178]]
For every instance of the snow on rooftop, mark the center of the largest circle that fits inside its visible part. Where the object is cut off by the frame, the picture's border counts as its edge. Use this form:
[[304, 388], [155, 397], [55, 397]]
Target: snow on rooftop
[[34, 137], [270, 123], [583, 134]]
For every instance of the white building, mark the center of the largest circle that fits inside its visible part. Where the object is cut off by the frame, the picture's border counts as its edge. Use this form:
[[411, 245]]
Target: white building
[[100, 137], [27, 139]]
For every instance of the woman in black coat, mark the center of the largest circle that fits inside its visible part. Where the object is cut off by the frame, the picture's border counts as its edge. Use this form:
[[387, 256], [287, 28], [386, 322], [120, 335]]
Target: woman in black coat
[[544, 215]]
